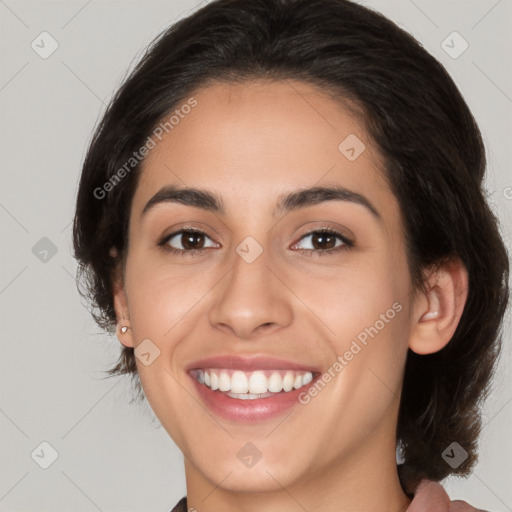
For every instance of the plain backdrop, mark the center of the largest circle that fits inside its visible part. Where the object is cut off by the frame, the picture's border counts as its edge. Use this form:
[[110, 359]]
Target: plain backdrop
[[110, 455]]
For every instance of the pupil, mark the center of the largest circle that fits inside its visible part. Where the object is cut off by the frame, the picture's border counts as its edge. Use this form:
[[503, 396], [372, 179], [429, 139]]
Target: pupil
[[188, 240], [324, 239]]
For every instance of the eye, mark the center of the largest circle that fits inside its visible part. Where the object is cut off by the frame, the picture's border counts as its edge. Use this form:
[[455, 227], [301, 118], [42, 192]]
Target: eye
[[187, 241], [324, 241]]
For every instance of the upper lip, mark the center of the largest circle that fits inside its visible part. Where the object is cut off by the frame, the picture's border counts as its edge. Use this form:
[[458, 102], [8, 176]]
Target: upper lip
[[237, 362]]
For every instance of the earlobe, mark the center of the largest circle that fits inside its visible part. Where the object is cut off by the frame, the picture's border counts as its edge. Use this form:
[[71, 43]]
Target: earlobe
[[123, 328], [437, 311], [123, 333]]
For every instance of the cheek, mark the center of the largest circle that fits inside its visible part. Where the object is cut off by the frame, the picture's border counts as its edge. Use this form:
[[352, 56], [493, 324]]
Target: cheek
[[162, 297], [372, 327], [353, 297], [363, 310]]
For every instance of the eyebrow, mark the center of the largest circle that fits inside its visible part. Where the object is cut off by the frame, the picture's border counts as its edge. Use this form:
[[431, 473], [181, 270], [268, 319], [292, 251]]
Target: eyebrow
[[211, 202], [203, 199], [316, 195]]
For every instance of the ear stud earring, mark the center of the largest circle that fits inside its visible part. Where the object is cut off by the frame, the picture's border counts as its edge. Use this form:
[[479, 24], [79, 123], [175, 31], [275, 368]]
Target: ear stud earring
[[124, 328]]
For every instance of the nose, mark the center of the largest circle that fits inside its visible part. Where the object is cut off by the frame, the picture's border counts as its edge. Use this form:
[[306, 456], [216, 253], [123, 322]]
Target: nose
[[251, 300]]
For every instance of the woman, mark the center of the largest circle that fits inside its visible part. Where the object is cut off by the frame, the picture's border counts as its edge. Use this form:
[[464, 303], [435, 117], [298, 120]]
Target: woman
[[281, 217]]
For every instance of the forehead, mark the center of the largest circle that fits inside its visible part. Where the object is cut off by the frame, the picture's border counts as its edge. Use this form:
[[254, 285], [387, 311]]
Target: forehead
[[262, 139]]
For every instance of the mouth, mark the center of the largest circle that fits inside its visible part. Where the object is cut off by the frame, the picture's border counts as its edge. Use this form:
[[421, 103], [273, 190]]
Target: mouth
[[250, 390], [251, 385]]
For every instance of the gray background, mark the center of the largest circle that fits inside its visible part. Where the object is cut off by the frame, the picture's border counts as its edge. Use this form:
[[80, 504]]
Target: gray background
[[113, 456]]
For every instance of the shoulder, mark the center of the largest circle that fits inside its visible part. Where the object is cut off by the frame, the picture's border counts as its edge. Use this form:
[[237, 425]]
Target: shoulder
[[430, 496]]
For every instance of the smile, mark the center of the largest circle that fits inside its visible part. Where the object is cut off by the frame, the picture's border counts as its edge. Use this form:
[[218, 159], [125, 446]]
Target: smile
[[250, 397], [251, 385]]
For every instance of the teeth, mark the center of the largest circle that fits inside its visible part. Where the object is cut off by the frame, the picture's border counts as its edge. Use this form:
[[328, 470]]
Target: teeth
[[275, 383], [288, 381], [239, 383], [258, 383], [252, 385], [214, 381], [224, 382], [248, 396]]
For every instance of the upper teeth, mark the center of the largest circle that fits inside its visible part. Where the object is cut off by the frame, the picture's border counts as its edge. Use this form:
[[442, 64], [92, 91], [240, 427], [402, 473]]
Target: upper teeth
[[257, 382]]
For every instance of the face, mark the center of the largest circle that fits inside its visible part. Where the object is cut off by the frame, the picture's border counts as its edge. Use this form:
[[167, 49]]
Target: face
[[310, 294]]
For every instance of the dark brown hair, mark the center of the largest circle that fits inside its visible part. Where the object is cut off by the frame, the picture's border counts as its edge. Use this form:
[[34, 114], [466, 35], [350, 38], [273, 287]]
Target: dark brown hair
[[434, 161]]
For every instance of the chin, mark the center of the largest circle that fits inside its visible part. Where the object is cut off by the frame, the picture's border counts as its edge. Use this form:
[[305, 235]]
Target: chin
[[253, 480]]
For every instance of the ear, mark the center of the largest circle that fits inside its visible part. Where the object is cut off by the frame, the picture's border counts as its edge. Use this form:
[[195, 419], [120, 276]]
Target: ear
[[437, 311], [121, 305]]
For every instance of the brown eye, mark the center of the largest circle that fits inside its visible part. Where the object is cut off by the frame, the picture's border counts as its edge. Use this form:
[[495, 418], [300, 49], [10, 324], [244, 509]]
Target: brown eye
[[192, 240], [323, 242], [187, 241]]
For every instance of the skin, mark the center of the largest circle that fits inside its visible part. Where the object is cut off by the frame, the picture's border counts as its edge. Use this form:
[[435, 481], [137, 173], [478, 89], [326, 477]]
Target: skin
[[250, 143]]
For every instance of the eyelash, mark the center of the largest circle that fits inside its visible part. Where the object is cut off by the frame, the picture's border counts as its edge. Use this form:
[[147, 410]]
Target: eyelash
[[347, 244], [181, 252]]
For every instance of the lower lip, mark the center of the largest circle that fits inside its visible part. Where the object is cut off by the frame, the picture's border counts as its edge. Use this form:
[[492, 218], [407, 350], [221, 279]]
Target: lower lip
[[249, 411]]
